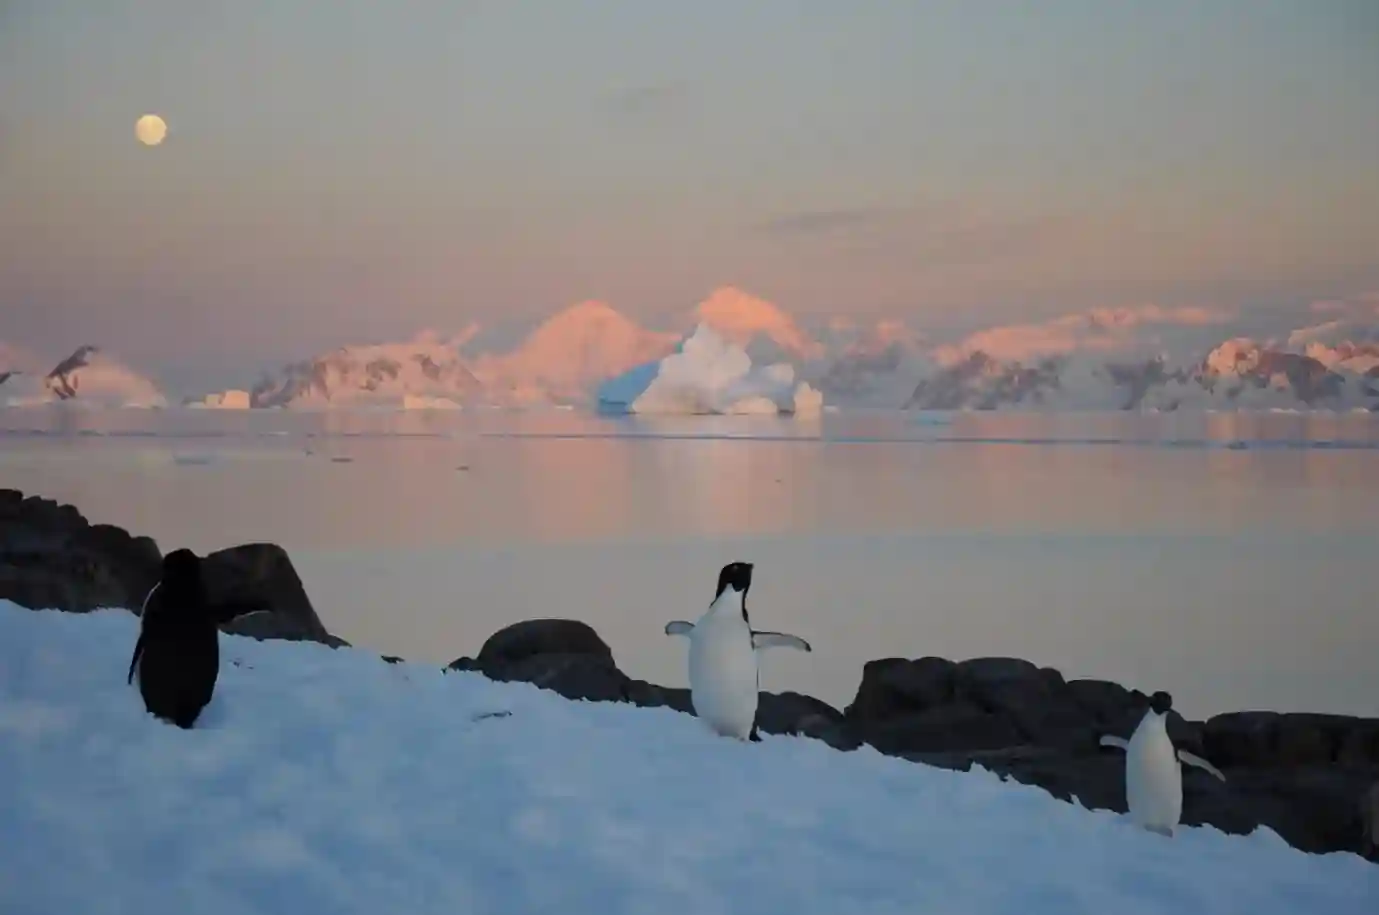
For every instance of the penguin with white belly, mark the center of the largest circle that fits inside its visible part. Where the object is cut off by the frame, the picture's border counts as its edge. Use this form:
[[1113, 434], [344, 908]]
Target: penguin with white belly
[[725, 681], [1153, 776]]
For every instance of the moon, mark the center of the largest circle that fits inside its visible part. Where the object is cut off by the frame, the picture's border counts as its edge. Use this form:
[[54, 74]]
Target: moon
[[150, 129]]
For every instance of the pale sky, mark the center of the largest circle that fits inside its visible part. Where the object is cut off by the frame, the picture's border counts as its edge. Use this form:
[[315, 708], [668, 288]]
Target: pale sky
[[352, 170]]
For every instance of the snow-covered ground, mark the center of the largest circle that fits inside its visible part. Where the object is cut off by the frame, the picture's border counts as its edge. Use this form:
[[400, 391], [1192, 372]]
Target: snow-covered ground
[[329, 781]]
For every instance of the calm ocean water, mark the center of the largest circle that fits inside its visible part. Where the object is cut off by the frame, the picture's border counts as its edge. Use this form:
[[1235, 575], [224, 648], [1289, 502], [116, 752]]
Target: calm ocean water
[[1228, 558]]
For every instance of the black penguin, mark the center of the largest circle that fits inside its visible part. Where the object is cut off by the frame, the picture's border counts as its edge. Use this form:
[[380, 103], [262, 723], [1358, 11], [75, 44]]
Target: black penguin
[[178, 651]]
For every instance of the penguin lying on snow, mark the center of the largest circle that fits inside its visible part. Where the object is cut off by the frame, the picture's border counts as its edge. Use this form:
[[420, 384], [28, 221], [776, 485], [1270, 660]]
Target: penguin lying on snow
[[723, 673], [177, 655], [1153, 778]]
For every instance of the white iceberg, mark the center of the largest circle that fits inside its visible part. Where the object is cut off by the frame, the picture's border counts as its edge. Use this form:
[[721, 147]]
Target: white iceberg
[[707, 374]]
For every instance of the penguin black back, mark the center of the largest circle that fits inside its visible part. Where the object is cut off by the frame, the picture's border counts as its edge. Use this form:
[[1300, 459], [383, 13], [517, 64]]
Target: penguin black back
[[178, 651], [738, 576]]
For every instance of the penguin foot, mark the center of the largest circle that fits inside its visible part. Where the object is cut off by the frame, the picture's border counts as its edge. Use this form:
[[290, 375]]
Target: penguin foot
[[754, 737], [182, 718]]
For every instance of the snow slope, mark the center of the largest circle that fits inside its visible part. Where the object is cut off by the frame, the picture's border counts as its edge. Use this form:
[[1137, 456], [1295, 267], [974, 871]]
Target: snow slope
[[329, 781], [707, 374]]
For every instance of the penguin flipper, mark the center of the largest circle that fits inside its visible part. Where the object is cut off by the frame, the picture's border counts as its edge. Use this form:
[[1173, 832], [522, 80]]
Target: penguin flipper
[[134, 659], [679, 627], [1192, 759], [762, 640], [1111, 740]]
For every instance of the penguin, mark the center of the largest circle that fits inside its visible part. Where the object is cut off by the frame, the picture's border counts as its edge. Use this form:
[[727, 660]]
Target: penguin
[[725, 680], [177, 654], [1153, 778]]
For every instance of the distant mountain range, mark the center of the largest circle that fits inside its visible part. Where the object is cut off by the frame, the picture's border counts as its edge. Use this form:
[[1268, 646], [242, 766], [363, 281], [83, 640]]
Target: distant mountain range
[[1324, 356]]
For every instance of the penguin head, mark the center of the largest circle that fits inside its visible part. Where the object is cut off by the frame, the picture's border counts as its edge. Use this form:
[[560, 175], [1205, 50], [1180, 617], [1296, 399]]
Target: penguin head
[[735, 577], [1161, 703], [182, 571]]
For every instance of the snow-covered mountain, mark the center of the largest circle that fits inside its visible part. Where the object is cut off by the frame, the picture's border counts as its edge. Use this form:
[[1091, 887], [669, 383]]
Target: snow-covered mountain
[[425, 370], [876, 366], [88, 377], [760, 327], [571, 352], [1177, 360], [1325, 356], [560, 360]]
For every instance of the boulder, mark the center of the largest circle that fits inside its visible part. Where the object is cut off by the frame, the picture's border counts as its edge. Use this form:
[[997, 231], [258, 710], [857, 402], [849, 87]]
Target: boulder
[[261, 575], [543, 636], [1296, 739], [895, 686], [565, 656]]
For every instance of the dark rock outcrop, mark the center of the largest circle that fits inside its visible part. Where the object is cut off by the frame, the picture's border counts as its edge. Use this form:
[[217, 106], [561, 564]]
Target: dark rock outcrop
[[262, 575], [1301, 775], [1304, 776], [51, 557]]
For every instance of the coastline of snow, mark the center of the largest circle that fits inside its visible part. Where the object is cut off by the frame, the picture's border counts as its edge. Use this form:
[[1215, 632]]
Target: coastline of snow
[[325, 780], [708, 374]]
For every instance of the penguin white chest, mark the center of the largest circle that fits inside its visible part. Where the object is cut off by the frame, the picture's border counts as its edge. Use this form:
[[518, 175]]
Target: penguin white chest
[[1153, 778], [723, 674]]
